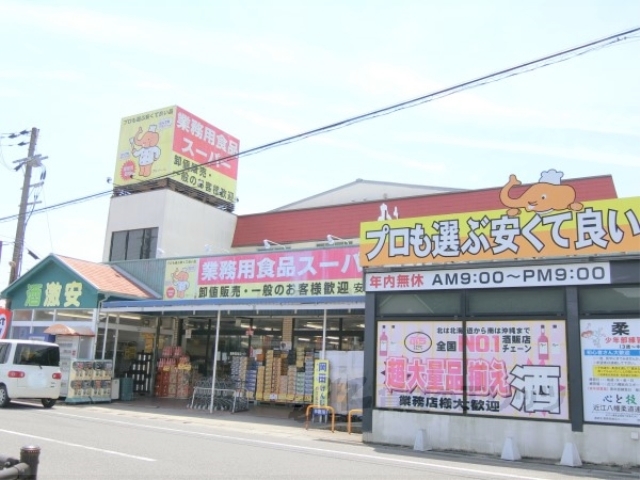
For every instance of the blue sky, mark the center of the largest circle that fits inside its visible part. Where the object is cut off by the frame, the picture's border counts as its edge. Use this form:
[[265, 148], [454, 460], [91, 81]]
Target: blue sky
[[264, 70]]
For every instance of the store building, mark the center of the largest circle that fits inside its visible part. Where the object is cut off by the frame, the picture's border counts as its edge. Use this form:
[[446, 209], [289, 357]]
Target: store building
[[514, 328], [436, 309]]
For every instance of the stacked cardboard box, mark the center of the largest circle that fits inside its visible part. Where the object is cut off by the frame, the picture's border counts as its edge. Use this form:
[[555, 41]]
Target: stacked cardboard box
[[162, 382], [291, 383], [276, 368], [309, 358], [260, 382], [300, 358], [299, 387], [282, 388], [173, 381], [183, 381]]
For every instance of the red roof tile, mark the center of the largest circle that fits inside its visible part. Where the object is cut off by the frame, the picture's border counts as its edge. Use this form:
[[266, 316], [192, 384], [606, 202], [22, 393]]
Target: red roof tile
[[105, 278], [314, 224]]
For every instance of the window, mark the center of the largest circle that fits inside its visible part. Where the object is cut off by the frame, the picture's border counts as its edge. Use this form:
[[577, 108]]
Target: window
[[43, 355], [4, 352], [604, 300], [134, 244], [519, 301], [423, 303]]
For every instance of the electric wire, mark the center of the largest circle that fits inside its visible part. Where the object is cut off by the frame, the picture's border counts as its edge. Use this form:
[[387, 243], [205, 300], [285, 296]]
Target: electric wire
[[519, 69]]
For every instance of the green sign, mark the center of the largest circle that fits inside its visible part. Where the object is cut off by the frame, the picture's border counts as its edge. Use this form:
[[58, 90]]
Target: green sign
[[54, 287]]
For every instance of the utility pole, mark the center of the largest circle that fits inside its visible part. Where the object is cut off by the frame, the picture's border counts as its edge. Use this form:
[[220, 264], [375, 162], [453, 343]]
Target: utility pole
[[18, 246]]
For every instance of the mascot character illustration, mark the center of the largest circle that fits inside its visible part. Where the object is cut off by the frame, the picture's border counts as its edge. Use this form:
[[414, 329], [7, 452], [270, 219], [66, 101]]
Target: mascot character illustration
[[148, 150], [543, 197]]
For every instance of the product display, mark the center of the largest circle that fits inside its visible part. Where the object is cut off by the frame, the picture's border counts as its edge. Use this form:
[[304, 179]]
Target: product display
[[173, 374], [286, 377], [89, 381]]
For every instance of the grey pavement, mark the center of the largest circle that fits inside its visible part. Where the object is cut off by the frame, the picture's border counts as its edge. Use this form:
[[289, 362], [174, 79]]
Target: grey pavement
[[287, 421]]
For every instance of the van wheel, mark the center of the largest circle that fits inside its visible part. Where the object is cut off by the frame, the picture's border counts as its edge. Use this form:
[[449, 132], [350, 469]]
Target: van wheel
[[48, 402], [4, 397]]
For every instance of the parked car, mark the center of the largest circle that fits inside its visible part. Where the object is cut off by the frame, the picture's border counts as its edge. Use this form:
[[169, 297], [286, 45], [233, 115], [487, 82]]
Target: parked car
[[29, 369]]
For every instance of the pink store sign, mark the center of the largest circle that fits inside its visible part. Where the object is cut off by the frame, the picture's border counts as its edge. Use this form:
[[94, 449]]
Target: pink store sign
[[281, 266]]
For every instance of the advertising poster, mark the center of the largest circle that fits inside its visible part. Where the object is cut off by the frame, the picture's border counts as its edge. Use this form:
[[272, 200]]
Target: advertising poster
[[513, 369], [5, 322], [611, 370], [156, 144], [300, 273], [180, 279], [518, 369], [419, 366]]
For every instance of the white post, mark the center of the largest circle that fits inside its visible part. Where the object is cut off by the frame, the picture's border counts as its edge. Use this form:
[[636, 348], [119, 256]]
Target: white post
[[324, 334], [510, 450], [115, 342], [215, 363], [570, 456], [421, 443], [106, 332]]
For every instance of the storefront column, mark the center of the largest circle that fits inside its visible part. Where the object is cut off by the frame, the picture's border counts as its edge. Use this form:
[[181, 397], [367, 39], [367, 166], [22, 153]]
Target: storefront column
[[94, 340], [106, 332], [115, 341], [215, 362], [369, 380], [324, 334], [574, 360]]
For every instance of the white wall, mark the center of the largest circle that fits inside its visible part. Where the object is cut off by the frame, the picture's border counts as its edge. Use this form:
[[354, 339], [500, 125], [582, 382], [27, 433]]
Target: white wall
[[186, 226], [534, 439]]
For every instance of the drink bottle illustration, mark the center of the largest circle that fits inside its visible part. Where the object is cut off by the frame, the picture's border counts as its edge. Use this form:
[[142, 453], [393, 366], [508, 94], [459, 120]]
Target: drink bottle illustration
[[543, 345], [384, 342], [393, 341]]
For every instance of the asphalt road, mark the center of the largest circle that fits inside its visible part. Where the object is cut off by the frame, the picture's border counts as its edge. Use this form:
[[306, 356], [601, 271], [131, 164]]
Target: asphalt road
[[110, 442]]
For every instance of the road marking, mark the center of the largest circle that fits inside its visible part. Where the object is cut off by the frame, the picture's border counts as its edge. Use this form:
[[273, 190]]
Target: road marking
[[362, 456], [69, 444]]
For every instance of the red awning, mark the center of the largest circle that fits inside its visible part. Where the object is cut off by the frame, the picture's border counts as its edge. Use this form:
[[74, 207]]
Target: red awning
[[62, 329]]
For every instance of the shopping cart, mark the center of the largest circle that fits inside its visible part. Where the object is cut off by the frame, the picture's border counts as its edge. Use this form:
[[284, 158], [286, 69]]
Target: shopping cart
[[228, 395]]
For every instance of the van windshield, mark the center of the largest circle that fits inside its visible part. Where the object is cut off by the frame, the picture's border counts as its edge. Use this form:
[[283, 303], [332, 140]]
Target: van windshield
[[43, 355]]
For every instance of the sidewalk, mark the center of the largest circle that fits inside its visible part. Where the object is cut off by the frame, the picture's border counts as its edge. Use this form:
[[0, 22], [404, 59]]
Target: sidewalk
[[268, 416], [285, 421]]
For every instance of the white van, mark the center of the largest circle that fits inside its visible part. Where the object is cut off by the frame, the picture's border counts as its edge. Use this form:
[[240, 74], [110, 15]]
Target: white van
[[29, 369]]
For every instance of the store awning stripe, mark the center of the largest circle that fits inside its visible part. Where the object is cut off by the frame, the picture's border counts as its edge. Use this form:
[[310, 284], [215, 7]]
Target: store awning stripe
[[328, 302]]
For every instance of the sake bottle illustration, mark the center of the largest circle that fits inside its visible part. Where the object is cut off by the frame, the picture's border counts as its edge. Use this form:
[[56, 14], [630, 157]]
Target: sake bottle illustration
[[543, 345], [384, 342], [393, 341]]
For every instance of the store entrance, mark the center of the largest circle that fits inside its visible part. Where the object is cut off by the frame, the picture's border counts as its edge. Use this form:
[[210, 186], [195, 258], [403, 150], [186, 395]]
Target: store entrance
[[272, 357]]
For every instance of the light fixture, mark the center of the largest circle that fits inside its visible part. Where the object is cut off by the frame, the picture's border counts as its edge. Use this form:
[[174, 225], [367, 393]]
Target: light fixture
[[332, 239], [73, 315], [268, 243]]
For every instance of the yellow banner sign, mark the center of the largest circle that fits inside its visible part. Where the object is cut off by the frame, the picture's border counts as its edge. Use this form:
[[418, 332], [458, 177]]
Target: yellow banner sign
[[173, 143], [321, 382], [597, 227]]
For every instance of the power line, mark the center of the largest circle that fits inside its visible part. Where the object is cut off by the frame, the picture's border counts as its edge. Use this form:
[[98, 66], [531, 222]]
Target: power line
[[15, 134], [519, 69]]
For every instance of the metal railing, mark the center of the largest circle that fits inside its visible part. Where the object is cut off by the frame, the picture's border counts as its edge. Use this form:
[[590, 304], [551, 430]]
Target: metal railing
[[352, 412], [25, 468]]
